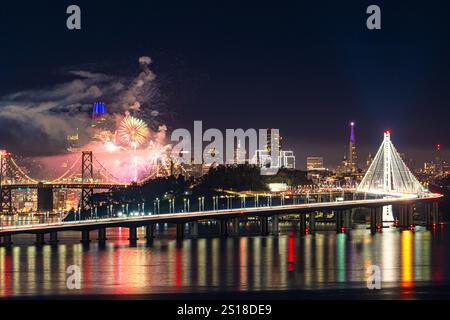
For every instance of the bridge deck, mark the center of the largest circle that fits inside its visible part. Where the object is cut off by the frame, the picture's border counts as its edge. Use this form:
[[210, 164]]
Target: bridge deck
[[66, 185], [137, 221]]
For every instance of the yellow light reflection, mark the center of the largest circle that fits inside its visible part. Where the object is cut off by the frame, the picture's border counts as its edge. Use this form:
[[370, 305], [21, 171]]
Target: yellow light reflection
[[407, 258], [243, 263]]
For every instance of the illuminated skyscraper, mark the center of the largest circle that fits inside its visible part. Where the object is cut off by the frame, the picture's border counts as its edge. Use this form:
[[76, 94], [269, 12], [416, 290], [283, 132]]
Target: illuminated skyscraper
[[287, 159], [73, 142], [239, 153], [98, 114], [314, 163], [352, 162], [269, 135]]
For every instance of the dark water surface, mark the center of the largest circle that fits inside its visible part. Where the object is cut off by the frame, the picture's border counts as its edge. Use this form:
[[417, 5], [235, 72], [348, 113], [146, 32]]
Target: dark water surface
[[411, 262]]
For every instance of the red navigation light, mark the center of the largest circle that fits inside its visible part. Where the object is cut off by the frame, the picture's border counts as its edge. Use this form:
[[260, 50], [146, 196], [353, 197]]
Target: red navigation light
[[387, 131], [411, 226], [342, 229], [438, 147], [306, 230]]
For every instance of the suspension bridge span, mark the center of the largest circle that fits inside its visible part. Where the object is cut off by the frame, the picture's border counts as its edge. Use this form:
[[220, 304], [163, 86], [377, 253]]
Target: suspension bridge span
[[86, 173]]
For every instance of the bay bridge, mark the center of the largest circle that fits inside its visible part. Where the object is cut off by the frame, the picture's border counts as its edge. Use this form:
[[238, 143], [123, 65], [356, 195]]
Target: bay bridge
[[93, 176], [388, 183]]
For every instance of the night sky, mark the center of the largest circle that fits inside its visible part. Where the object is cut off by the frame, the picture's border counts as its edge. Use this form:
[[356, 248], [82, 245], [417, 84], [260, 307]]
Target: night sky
[[305, 67]]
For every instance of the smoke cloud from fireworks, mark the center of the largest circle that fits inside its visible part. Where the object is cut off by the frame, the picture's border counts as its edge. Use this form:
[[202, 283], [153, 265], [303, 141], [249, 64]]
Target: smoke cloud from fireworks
[[37, 121]]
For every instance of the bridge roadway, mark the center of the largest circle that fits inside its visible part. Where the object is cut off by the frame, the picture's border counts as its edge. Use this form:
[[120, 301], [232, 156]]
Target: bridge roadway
[[180, 219], [66, 185]]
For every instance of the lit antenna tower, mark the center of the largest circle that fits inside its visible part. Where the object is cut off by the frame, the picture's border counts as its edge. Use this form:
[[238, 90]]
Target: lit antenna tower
[[352, 155], [438, 160]]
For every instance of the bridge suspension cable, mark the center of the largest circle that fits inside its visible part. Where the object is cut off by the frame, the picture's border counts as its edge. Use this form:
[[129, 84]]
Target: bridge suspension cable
[[105, 173], [27, 177], [65, 173]]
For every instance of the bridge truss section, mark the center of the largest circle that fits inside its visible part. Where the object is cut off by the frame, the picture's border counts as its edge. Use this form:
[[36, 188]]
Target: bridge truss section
[[87, 178], [6, 178]]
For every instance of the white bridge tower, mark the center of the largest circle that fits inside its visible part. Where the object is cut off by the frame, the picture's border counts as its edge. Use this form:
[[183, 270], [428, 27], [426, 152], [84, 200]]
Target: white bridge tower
[[388, 174]]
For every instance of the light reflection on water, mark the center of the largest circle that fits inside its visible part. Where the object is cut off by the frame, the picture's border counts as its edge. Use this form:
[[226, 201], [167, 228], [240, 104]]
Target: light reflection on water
[[321, 261]]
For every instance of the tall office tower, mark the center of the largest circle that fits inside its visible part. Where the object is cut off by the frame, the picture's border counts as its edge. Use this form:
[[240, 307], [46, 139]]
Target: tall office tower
[[98, 114], [272, 134], [287, 159], [239, 153], [73, 142], [352, 155]]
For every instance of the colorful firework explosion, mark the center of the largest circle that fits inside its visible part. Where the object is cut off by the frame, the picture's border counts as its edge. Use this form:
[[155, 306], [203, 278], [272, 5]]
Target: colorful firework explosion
[[132, 131]]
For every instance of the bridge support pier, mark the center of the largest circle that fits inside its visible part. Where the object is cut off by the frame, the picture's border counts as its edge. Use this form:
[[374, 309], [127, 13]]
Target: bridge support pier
[[435, 212], [53, 238], [376, 219], [428, 217], [180, 231], [132, 235], [193, 229], [340, 223], [235, 226], [405, 219], [312, 223], [372, 220], [264, 225], [149, 232], [102, 235], [5, 199], [347, 216], [223, 228], [432, 214], [40, 239], [302, 224], [275, 225], [379, 215], [400, 215], [6, 241], [85, 237]]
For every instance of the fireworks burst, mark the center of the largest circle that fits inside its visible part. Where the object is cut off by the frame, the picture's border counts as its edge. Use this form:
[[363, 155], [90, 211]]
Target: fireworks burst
[[132, 131]]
